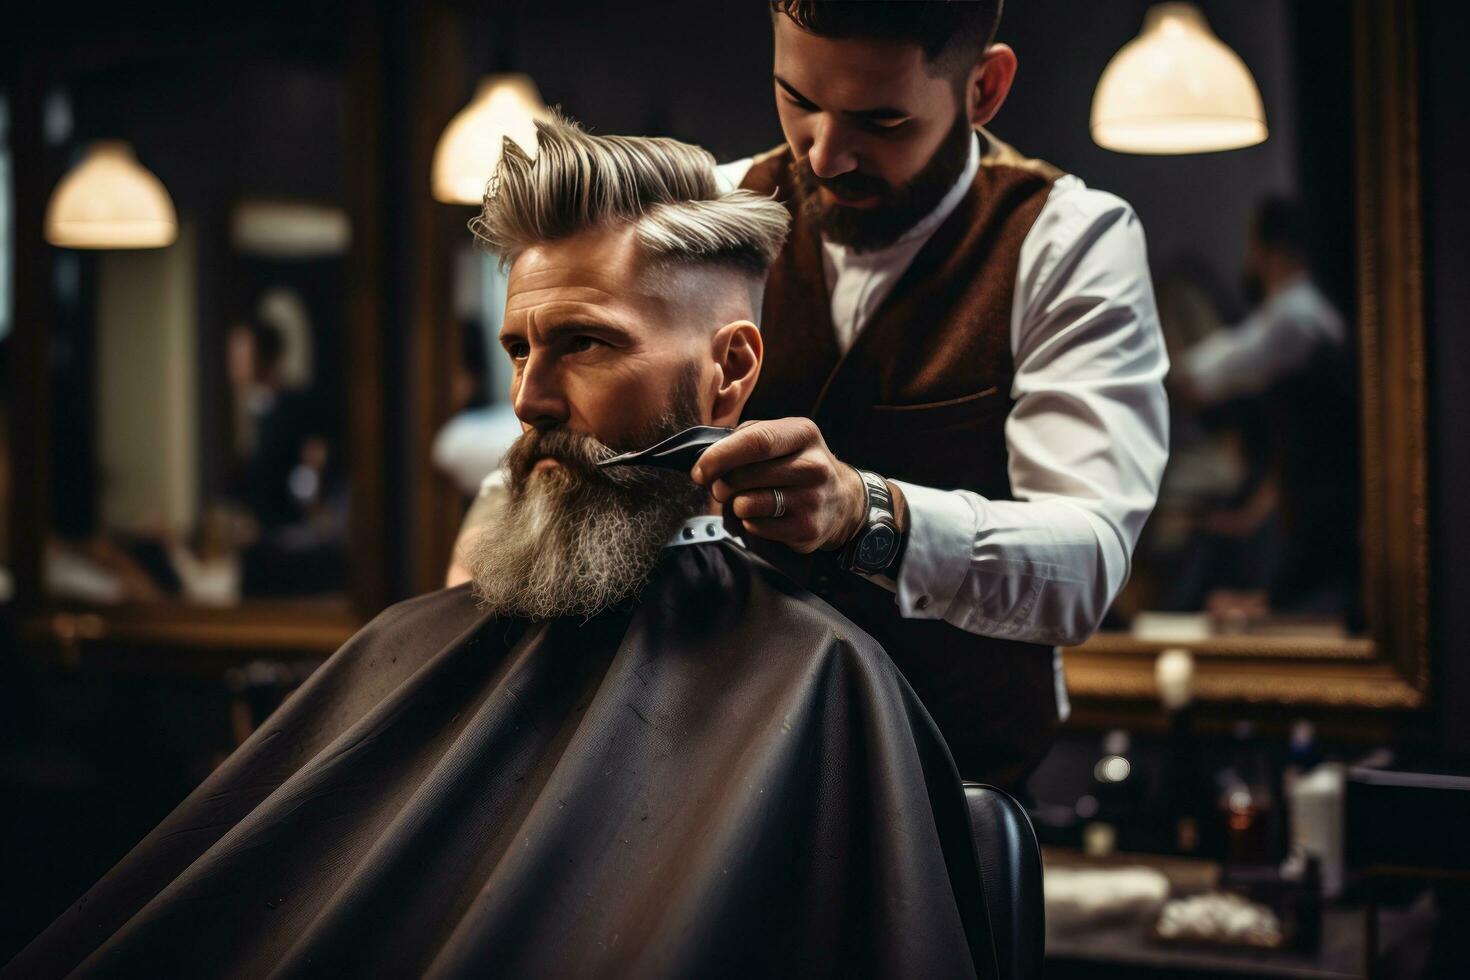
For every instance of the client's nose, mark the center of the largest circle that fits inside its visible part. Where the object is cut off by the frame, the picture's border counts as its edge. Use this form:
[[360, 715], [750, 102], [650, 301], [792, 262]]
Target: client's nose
[[537, 395]]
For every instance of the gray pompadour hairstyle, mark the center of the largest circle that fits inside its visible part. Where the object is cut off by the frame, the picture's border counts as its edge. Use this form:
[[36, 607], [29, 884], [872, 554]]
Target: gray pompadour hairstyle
[[667, 189]]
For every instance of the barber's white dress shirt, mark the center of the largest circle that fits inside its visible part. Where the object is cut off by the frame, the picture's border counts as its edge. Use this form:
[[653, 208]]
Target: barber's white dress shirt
[[1271, 343], [1087, 436]]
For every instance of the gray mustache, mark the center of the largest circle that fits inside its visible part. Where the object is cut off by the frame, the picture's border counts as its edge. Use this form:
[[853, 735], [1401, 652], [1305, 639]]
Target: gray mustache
[[579, 453]]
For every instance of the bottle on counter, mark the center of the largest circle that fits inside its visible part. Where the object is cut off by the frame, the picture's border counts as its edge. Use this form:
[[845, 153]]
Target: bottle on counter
[[1115, 802], [1314, 799], [1246, 801], [1182, 800], [1302, 754]]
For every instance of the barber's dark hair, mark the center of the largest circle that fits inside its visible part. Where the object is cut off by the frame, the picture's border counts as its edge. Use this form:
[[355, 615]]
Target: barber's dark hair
[[1281, 222], [952, 33]]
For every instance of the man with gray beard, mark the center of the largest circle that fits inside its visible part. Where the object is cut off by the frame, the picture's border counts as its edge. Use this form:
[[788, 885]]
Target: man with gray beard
[[628, 748], [580, 539]]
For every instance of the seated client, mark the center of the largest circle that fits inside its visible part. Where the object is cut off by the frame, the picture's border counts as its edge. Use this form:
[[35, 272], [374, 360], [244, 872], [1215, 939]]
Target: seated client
[[627, 747]]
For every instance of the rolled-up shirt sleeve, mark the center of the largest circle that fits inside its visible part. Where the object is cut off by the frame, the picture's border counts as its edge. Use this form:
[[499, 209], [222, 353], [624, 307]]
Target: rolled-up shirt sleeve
[[1087, 439]]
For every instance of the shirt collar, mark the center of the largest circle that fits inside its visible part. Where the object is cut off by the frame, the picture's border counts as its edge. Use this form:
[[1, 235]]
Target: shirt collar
[[926, 225], [704, 529]]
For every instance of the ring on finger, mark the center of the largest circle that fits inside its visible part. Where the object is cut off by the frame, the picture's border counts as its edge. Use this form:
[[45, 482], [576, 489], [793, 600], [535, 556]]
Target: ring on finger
[[780, 504]]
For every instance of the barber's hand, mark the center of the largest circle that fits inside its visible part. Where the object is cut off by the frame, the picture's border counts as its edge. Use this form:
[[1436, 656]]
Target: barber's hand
[[823, 496]]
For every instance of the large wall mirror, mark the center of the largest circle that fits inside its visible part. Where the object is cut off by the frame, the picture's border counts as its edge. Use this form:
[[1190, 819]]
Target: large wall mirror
[[197, 419], [1287, 550], [200, 462]]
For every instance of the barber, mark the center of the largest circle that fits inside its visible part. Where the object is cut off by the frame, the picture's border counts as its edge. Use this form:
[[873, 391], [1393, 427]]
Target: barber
[[961, 423]]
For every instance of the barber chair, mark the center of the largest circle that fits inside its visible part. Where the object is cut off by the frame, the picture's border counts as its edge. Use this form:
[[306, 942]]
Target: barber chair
[[1010, 872]]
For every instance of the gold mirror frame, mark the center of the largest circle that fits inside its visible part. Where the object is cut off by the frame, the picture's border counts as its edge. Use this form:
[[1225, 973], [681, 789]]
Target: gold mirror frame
[[1388, 669]]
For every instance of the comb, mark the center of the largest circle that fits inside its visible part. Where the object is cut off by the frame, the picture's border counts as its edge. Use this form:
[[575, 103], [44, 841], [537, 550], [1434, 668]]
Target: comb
[[677, 452]]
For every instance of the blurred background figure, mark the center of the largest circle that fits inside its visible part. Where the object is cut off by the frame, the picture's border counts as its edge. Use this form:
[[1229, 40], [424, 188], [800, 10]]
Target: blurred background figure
[[1293, 328], [1278, 392], [288, 478], [470, 445], [274, 426]]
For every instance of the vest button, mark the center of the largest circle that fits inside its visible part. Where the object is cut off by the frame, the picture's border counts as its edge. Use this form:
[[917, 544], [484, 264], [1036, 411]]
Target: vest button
[[922, 602]]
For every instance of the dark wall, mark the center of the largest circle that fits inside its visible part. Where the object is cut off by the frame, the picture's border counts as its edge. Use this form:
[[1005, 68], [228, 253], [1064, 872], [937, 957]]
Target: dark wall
[[697, 71], [1445, 77]]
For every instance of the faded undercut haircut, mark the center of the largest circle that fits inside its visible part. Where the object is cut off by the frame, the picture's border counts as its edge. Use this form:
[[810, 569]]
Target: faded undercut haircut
[[952, 33], [666, 189]]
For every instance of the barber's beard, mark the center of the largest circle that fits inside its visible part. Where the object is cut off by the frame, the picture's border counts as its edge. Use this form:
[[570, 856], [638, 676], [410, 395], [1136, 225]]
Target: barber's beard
[[574, 540], [899, 208]]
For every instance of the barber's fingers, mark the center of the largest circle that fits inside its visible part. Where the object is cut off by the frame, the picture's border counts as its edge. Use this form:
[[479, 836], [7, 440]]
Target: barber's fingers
[[755, 442], [800, 470], [794, 530], [775, 504]]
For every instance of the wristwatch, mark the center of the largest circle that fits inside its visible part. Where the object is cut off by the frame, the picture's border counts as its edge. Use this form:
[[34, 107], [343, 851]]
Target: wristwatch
[[878, 546]]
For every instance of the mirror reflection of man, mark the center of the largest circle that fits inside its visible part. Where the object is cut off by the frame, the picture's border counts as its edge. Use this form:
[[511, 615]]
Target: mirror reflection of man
[[974, 330], [1293, 323], [1290, 363]]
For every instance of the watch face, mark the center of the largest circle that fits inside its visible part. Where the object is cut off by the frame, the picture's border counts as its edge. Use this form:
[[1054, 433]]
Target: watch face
[[875, 549]]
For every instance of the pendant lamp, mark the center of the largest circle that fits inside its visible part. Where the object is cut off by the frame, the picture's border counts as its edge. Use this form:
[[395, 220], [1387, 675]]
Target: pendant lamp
[[469, 148], [1176, 88], [110, 200]]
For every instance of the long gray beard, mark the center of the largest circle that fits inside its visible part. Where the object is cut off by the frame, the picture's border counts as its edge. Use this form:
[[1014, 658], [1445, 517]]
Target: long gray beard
[[574, 540]]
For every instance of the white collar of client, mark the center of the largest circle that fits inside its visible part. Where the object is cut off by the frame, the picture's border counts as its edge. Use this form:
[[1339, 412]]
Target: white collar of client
[[627, 319], [705, 529]]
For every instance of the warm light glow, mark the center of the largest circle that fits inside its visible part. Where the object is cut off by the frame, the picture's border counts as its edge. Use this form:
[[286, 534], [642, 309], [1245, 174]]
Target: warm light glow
[[110, 201], [469, 148], [1174, 677], [1176, 89], [289, 229], [1112, 769]]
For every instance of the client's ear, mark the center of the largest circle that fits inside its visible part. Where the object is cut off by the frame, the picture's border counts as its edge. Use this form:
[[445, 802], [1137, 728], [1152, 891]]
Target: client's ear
[[737, 352]]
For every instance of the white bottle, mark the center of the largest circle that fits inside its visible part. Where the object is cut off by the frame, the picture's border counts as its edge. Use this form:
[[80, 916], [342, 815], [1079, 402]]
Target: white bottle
[[1315, 799]]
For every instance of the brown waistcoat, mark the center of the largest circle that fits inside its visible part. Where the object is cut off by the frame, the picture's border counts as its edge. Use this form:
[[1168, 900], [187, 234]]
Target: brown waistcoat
[[921, 396]]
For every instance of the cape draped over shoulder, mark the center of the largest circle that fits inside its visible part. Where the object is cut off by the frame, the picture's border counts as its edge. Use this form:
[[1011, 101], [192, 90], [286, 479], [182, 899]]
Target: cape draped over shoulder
[[725, 778]]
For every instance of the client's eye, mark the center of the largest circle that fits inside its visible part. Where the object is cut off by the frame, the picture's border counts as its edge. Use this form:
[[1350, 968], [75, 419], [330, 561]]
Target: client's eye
[[583, 343], [518, 350]]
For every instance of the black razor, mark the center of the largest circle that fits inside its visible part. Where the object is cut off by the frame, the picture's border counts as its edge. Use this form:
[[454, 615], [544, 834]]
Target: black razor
[[677, 452]]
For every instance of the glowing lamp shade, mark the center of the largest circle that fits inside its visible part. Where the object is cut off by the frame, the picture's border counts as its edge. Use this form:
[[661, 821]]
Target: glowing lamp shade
[[110, 200], [469, 148], [1176, 89]]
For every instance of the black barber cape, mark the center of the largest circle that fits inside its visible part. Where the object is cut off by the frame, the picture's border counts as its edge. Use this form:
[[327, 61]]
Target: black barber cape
[[726, 778]]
